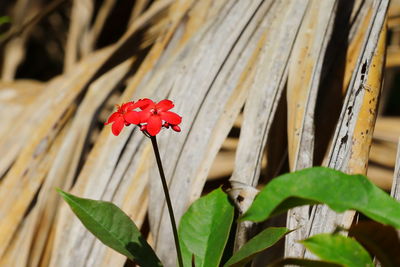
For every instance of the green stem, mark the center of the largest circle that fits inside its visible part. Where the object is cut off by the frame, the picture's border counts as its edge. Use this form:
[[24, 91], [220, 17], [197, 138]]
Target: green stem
[[167, 198]]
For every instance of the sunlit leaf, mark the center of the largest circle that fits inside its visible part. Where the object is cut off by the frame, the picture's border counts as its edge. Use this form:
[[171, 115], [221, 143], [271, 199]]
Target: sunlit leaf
[[338, 249], [112, 227], [204, 229], [338, 190]]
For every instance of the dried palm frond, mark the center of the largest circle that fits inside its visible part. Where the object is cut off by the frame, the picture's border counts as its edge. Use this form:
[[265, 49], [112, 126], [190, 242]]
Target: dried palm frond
[[299, 79]]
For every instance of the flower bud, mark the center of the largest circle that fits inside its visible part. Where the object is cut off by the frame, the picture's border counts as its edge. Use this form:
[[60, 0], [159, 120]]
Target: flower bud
[[176, 128]]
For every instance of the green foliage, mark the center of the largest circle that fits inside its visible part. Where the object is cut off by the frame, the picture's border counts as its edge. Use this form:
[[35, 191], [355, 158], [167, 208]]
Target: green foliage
[[260, 242], [4, 20], [112, 227], [338, 249], [303, 262], [338, 190], [204, 229], [380, 240]]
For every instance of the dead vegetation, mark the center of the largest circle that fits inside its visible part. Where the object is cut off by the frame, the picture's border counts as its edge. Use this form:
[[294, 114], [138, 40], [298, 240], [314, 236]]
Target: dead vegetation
[[264, 87]]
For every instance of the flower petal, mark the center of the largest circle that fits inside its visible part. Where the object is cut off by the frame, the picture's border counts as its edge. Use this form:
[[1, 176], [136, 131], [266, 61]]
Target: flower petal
[[145, 115], [144, 103], [132, 117], [164, 105], [117, 126], [128, 106], [113, 117], [171, 117], [154, 124]]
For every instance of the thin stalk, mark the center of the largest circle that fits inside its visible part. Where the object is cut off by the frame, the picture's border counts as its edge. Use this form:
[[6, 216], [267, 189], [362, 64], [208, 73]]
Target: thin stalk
[[167, 198]]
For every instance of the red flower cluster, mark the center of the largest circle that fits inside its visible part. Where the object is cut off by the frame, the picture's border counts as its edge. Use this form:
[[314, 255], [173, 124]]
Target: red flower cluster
[[151, 116]]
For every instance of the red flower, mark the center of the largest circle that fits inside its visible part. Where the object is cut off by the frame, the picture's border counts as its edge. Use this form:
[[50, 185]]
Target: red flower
[[158, 115], [124, 116], [151, 118]]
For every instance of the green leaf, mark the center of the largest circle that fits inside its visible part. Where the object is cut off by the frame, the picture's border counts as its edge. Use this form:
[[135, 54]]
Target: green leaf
[[4, 20], [379, 240], [112, 227], [338, 249], [303, 262], [257, 244], [204, 229], [338, 190]]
